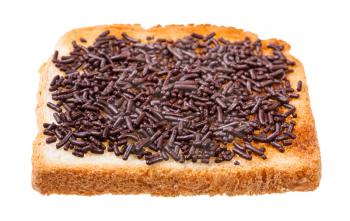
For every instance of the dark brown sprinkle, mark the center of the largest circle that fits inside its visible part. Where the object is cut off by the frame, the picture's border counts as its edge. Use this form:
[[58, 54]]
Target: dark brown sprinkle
[[198, 36], [220, 102], [242, 154], [171, 153], [64, 140], [260, 138], [299, 86], [103, 34], [49, 132], [46, 125], [164, 154], [128, 151], [79, 143], [118, 121], [78, 153], [282, 137], [174, 52], [220, 114], [115, 149], [58, 134], [209, 36], [127, 37], [54, 107], [122, 142], [144, 142], [84, 149], [57, 117], [291, 135], [236, 163], [129, 123], [272, 136], [67, 146], [186, 86], [82, 40], [105, 132], [254, 149], [174, 99], [278, 146], [239, 147], [51, 140], [54, 58], [81, 134], [154, 159], [287, 142], [291, 127], [227, 155], [56, 78]]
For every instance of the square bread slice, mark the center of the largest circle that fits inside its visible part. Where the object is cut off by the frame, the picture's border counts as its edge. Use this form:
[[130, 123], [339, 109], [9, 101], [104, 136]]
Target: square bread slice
[[58, 171]]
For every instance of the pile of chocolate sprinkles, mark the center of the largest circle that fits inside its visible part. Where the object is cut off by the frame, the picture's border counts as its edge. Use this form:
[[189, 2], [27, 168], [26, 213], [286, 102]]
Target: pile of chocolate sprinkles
[[199, 98]]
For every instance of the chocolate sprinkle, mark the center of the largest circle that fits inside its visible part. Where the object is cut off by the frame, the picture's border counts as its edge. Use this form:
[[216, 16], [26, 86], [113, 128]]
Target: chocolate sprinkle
[[183, 100], [299, 86], [51, 140]]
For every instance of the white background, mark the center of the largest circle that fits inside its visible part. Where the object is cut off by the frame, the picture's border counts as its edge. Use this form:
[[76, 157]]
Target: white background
[[318, 32]]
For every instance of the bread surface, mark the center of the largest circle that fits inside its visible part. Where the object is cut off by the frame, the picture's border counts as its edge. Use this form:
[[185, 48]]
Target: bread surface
[[58, 171]]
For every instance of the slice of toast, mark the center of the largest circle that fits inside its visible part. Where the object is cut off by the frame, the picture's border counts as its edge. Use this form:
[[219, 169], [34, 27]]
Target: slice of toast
[[58, 171]]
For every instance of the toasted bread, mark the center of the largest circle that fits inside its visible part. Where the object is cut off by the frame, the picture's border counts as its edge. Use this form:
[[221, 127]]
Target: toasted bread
[[57, 171]]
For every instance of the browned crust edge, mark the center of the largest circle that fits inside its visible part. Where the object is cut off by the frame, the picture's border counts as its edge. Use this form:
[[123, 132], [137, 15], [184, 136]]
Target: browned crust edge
[[48, 179]]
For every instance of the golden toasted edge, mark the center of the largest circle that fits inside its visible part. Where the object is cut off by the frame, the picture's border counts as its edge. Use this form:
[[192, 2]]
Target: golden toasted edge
[[155, 180]]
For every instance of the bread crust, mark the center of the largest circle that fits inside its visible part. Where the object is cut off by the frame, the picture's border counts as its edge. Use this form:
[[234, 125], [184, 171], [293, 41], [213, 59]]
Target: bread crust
[[300, 172]]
